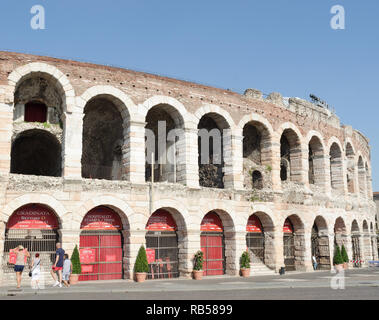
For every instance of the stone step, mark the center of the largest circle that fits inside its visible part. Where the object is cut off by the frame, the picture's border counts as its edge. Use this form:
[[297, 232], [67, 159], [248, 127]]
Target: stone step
[[260, 269]]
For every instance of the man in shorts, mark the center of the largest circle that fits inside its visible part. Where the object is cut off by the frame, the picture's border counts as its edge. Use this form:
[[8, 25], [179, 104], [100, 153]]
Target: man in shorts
[[58, 266]]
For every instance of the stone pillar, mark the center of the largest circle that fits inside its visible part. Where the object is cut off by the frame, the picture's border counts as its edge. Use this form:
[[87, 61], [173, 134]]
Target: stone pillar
[[349, 249], [270, 250], [228, 159], [188, 173], [278, 245], [133, 240], [72, 145], [303, 253], [2, 241], [237, 160], [189, 244], [275, 165], [304, 162], [362, 250], [69, 239], [233, 256], [133, 152], [6, 126]]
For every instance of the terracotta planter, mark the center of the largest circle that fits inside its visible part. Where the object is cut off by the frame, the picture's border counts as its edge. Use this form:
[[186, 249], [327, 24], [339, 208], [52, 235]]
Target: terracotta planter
[[339, 267], [346, 265], [140, 276], [245, 272], [198, 274], [74, 279]]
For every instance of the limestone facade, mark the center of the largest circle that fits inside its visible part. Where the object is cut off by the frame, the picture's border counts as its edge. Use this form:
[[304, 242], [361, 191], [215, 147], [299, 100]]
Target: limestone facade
[[335, 196]]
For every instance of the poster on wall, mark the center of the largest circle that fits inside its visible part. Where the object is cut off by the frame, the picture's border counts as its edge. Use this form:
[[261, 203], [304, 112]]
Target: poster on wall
[[101, 218], [87, 269], [87, 256], [33, 216], [150, 255]]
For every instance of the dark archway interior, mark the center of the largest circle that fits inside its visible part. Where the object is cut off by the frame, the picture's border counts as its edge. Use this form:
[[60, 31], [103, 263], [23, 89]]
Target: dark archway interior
[[285, 158], [36, 152], [252, 143], [211, 175], [102, 141]]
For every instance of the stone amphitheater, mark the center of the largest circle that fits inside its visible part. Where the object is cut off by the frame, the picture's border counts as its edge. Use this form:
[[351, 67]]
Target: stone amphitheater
[[293, 182]]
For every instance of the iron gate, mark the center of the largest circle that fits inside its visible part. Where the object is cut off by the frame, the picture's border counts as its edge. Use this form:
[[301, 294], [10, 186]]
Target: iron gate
[[36, 241], [289, 251], [256, 244], [107, 248], [212, 245], [356, 251], [166, 262]]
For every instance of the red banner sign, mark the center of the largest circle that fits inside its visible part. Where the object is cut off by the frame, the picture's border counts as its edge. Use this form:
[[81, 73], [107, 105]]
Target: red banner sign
[[254, 224], [13, 257], [87, 256], [101, 218], [211, 222], [287, 227], [161, 221], [33, 216], [150, 255]]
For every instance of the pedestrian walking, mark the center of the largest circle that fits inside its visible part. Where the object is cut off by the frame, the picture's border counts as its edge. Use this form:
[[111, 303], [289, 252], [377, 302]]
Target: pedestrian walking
[[58, 266], [36, 271], [315, 264], [67, 269], [19, 266]]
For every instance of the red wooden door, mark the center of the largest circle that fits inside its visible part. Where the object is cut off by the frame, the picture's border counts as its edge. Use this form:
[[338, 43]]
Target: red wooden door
[[105, 262], [212, 245]]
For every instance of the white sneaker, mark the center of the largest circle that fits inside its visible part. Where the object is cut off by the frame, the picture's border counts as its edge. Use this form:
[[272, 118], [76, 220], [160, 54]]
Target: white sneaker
[[60, 285], [56, 283]]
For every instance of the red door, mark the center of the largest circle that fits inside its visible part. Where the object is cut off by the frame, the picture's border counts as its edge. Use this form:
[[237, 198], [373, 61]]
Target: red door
[[101, 253], [212, 245]]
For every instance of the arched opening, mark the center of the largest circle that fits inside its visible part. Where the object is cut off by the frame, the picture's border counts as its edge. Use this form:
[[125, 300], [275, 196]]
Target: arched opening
[[355, 235], [212, 244], [101, 245], [256, 153], [36, 152], [320, 244], [350, 177], [336, 170], [293, 244], [38, 98], [315, 162], [290, 155], [163, 141], [211, 144], [35, 227], [162, 246], [361, 177], [102, 139]]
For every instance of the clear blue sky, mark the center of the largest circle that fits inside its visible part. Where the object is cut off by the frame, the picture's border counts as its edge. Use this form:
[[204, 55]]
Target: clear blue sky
[[285, 46]]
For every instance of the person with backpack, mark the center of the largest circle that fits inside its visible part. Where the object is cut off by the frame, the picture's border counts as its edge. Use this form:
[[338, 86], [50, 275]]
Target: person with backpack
[[21, 255]]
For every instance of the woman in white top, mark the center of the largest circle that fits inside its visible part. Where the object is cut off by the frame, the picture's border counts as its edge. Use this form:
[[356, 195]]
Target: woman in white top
[[36, 271]]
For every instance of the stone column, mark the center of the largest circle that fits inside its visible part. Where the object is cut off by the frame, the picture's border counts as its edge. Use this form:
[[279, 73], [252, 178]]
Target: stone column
[[133, 240], [133, 152], [303, 253], [278, 245], [189, 244], [349, 249], [188, 173], [233, 256], [237, 160], [6, 126], [228, 159], [69, 238], [72, 145], [275, 165], [2, 241]]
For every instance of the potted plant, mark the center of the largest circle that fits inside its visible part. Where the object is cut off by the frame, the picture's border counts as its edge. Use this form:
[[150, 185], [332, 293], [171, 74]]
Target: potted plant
[[198, 265], [76, 266], [245, 264], [141, 267], [337, 259], [345, 257]]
